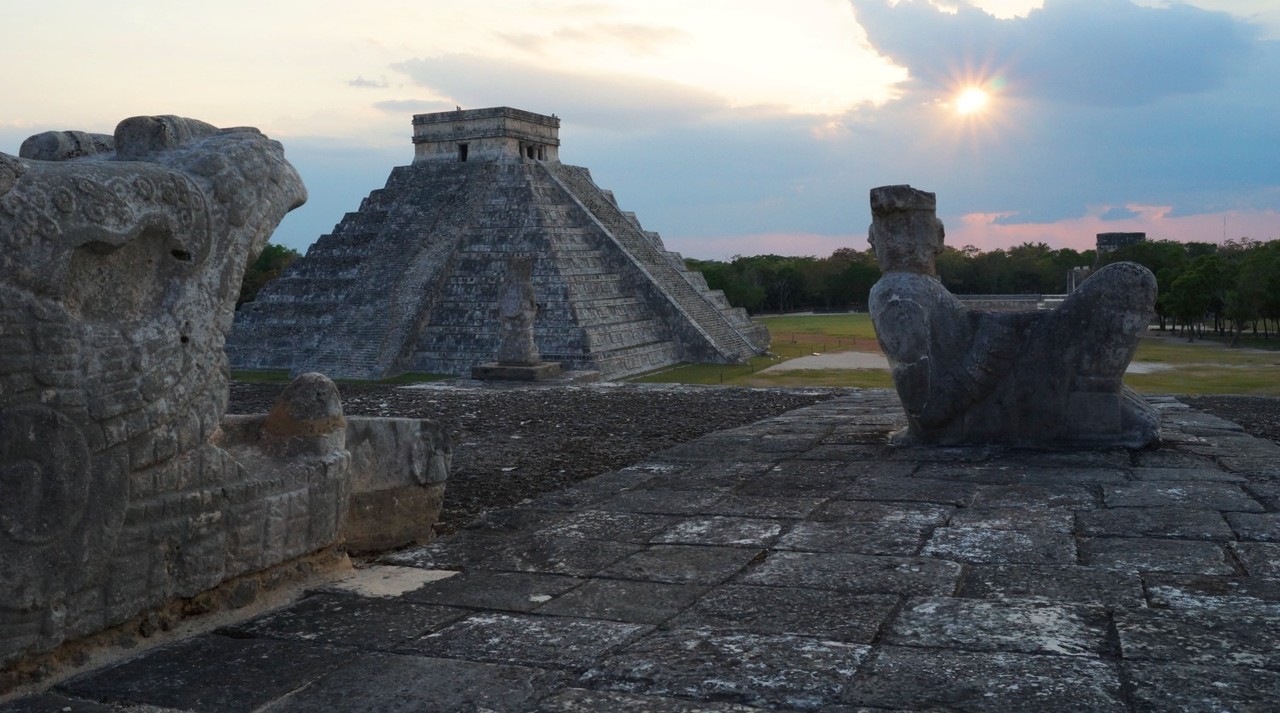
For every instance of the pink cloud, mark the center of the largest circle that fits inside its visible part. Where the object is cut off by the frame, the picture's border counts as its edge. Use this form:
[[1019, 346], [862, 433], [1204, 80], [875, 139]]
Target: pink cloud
[[799, 244], [985, 232], [982, 230]]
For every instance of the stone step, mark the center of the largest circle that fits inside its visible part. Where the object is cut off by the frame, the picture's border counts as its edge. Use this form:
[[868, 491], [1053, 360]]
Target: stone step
[[655, 261]]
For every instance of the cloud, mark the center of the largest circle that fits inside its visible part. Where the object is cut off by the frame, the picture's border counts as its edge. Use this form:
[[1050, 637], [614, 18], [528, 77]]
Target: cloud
[[1080, 233], [725, 247], [1104, 52], [606, 101], [636, 39], [363, 83], [412, 106]]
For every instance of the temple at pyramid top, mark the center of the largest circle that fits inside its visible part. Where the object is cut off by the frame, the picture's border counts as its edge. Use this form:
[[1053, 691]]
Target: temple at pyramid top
[[411, 280], [495, 134]]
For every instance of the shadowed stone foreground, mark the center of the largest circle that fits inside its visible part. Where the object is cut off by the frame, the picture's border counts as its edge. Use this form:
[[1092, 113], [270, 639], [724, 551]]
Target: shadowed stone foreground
[[798, 564]]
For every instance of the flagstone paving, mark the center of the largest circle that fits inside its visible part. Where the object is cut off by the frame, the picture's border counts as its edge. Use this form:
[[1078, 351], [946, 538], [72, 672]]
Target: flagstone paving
[[797, 564]]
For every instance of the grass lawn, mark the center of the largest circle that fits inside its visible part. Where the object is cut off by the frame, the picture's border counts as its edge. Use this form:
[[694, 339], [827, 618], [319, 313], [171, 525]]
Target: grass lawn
[[1200, 367], [1205, 366]]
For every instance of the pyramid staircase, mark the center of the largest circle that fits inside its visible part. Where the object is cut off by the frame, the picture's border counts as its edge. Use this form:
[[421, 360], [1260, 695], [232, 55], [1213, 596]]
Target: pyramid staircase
[[410, 282]]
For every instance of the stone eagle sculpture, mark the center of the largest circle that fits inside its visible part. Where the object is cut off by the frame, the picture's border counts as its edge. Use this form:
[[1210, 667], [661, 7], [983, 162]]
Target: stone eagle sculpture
[[120, 261], [1032, 378]]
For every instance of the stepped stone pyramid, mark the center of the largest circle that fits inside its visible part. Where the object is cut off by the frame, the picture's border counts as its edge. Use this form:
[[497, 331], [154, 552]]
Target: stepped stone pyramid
[[410, 281]]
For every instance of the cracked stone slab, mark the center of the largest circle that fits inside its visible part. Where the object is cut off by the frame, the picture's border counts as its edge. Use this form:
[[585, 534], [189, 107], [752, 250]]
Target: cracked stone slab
[[799, 478], [606, 525], [1260, 559], [859, 574], [982, 545], [512, 520], [1202, 474], [790, 610], [581, 700], [668, 502], [853, 537], [1074, 459], [382, 580], [210, 673], [887, 487], [1170, 458], [1151, 555], [509, 591], [1067, 584], [625, 600], [391, 683], [754, 669], [683, 564], [944, 454], [596, 490], [1218, 638], [721, 530], [716, 446], [885, 513], [1015, 518], [1246, 595], [1256, 527], [1069, 497], [1206, 496], [786, 444], [914, 679], [1266, 493], [1223, 449], [1020, 626], [461, 550], [849, 447], [1191, 420], [51, 703], [1056, 477], [865, 469], [711, 476], [367, 623], [527, 639], [557, 555], [1181, 687], [786, 508], [1264, 466], [1162, 522], [989, 474]]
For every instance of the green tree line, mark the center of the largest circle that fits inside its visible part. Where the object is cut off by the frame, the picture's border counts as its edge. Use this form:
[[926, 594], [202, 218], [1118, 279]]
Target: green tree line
[[1229, 288], [267, 267], [775, 283]]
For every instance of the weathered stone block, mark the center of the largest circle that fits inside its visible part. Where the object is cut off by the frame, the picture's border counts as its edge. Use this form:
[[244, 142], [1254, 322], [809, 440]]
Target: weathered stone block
[[779, 671], [525, 639], [398, 473]]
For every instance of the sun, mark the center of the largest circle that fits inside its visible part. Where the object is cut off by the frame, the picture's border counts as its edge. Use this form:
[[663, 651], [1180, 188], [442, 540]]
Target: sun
[[971, 101]]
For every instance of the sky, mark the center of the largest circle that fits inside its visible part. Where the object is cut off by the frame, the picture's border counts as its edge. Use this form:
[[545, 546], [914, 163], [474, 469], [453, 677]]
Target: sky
[[731, 127]]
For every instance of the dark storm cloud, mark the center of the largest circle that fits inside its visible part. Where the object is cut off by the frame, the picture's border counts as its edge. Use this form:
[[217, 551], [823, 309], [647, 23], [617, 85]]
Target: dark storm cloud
[[1099, 52]]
